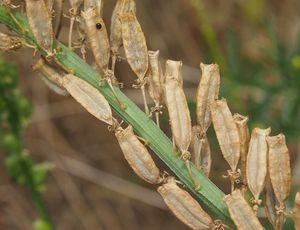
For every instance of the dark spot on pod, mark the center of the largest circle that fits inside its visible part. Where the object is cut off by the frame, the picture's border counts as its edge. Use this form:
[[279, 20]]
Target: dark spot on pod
[[98, 26]]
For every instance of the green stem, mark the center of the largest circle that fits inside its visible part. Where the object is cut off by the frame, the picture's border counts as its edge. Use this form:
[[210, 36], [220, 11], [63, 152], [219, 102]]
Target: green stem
[[209, 193]]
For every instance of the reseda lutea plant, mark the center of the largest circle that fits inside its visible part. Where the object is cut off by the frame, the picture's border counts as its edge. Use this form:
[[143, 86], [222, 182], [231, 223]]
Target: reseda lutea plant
[[98, 91]]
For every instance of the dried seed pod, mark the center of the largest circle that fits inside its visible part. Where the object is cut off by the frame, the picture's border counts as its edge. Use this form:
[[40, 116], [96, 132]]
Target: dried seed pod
[[8, 43], [50, 76], [56, 10], [241, 123], [89, 97], [40, 24], [184, 206], [296, 211], [257, 163], [173, 71], [270, 202], [207, 92], [95, 4], [241, 212], [227, 132], [98, 38], [200, 150], [137, 155], [74, 11]]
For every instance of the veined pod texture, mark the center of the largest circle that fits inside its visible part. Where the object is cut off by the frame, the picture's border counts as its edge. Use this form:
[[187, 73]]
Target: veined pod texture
[[51, 77], [244, 134], [207, 92], [279, 167], [173, 71], [40, 23], [184, 206], [89, 97], [137, 155], [97, 37], [134, 44], [227, 132], [8, 43], [200, 150], [270, 202], [296, 211], [241, 213], [95, 4], [179, 114], [257, 162]]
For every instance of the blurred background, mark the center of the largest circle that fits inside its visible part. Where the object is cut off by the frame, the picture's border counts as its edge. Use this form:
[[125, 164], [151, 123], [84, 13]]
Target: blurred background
[[89, 184]]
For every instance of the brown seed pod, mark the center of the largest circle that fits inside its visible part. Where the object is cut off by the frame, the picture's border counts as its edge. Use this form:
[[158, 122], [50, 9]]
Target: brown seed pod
[[137, 155], [89, 97], [296, 211], [173, 71], [55, 8], [257, 163], [227, 132], [241, 123], [40, 24], [184, 206], [241, 212], [95, 4], [98, 38], [270, 202], [207, 92], [8, 43], [200, 150], [51, 77]]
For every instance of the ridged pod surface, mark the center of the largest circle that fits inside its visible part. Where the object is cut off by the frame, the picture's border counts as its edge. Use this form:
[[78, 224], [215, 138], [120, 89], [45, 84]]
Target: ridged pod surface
[[89, 97], [137, 155], [173, 71], [207, 92], [270, 202], [184, 206], [241, 213], [296, 211], [95, 4]]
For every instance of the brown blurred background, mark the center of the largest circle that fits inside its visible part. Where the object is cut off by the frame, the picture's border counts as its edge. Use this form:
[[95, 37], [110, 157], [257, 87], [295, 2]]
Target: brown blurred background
[[90, 184]]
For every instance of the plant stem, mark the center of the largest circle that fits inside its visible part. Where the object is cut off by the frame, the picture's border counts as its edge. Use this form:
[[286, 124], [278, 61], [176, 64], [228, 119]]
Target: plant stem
[[209, 193]]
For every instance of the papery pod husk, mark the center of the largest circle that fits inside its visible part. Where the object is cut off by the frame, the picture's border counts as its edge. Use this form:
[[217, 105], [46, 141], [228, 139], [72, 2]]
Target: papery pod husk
[[244, 134], [184, 206], [56, 9], [173, 71], [155, 78], [227, 132], [200, 150], [179, 114], [207, 92], [122, 7], [138, 156], [51, 77], [97, 37], [95, 4], [296, 211], [241, 213], [134, 44], [270, 202], [40, 23], [75, 4], [89, 97], [8, 43], [257, 161]]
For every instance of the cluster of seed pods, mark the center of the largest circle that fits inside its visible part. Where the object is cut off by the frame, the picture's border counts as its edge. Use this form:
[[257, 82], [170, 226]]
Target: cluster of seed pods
[[259, 162]]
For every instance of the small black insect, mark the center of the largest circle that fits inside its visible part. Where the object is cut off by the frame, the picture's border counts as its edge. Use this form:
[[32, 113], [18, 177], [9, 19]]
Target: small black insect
[[98, 26]]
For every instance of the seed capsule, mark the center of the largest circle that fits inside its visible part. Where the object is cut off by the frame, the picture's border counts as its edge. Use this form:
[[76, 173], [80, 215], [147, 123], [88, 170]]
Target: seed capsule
[[95, 4], [51, 77], [257, 163], [137, 155], [270, 202], [89, 97], [200, 150], [173, 71], [296, 211], [40, 24], [184, 206], [241, 212], [207, 92], [8, 43], [227, 132]]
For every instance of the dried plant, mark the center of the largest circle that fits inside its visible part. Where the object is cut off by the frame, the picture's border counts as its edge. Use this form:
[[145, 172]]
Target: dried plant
[[260, 157]]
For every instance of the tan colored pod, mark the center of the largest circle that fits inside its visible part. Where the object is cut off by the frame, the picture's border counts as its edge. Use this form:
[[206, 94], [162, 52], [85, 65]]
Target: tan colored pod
[[51, 77], [95, 4], [89, 97], [134, 44], [241, 213], [8, 43], [257, 162], [97, 37], [173, 71], [200, 150], [137, 155], [270, 202], [207, 92], [184, 206], [40, 23], [179, 115], [296, 211], [244, 134], [279, 167], [227, 132]]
